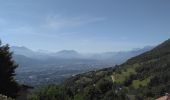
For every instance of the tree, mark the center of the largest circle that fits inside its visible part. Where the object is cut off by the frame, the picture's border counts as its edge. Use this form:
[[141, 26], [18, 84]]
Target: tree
[[8, 85]]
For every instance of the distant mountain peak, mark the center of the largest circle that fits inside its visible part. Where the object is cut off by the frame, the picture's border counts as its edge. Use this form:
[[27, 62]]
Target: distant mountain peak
[[67, 51], [68, 54], [20, 47]]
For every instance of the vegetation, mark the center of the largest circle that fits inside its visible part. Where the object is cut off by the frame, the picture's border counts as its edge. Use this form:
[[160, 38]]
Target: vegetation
[[2, 97], [144, 77], [8, 85]]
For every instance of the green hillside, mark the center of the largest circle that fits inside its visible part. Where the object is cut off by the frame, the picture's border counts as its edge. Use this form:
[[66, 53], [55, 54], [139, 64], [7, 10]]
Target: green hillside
[[144, 77]]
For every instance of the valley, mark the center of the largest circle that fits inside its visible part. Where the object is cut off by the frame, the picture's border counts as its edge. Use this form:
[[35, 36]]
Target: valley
[[39, 69]]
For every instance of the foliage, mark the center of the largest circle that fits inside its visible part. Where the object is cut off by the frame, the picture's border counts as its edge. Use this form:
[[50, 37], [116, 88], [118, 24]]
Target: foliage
[[52, 92], [8, 85], [144, 77], [2, 97]]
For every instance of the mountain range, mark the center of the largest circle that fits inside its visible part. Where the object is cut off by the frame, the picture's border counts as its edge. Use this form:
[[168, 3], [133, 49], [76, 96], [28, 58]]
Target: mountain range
[[41, 67], [116, 57], [143, 77]]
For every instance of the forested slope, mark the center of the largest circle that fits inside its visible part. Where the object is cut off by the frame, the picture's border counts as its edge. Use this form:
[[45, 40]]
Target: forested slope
[[144, 77]]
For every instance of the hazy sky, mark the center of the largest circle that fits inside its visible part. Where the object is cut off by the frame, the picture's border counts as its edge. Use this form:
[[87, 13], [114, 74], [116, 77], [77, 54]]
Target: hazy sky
[[84, 25]]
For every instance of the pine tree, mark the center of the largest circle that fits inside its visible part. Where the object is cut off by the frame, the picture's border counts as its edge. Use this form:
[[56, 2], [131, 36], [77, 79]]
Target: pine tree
[[8, 85]]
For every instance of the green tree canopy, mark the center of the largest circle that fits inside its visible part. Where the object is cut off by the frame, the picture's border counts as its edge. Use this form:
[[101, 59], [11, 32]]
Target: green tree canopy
[[8, 85]]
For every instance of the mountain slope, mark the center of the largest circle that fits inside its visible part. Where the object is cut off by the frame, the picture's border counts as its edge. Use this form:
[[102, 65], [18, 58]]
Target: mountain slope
[[68, 54], [144, 77], [158, 52], [22, 51]]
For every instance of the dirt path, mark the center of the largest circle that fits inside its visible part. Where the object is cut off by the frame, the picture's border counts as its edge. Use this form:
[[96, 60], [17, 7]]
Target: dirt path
[[113, 78]]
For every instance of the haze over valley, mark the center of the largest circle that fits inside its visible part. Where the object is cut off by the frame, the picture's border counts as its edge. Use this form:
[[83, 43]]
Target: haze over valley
[[84, 49], [38, 68]]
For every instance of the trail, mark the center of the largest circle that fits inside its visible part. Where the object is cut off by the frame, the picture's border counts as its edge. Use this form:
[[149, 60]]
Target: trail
[[113, 78]]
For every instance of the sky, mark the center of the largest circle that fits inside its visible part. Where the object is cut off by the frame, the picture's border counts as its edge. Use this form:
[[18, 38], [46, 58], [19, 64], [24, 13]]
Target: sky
[[84, 25]]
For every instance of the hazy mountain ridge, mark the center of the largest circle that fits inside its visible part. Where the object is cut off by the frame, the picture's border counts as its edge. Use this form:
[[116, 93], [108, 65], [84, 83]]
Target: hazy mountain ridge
[[144, 77], [35, 66], [72, 54]]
